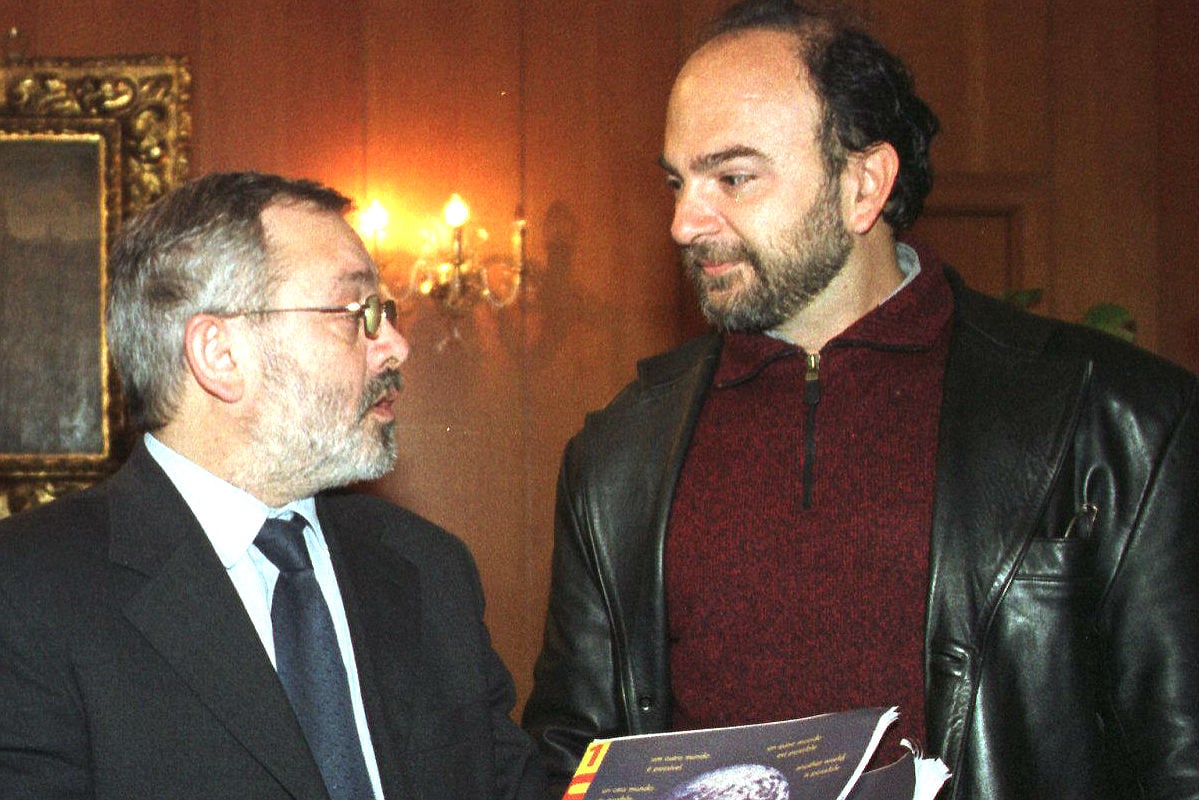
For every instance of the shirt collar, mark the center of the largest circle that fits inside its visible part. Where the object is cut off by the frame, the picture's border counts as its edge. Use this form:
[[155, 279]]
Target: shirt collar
[[230, 517], [909, 265]]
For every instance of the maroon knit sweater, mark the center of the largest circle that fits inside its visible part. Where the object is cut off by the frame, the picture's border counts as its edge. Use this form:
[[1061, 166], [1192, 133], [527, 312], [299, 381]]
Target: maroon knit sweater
[[782, 608]]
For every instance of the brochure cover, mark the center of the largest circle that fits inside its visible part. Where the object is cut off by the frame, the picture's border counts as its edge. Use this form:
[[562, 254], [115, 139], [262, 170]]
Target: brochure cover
[[815, 758]]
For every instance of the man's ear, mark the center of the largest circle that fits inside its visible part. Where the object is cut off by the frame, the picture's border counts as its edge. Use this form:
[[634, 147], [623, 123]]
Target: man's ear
[[867, 182], [209, 349]]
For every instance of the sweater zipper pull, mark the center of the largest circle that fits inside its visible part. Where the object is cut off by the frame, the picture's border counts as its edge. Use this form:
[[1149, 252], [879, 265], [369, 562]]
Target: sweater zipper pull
[[811, 398], [811, 379]]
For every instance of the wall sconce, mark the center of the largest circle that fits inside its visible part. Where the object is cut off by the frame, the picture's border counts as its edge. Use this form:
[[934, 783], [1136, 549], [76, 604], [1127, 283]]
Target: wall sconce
[[457, 266]]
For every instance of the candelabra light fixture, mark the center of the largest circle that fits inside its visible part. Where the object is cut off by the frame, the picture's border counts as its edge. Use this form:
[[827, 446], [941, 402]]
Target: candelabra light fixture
[[457, 266]]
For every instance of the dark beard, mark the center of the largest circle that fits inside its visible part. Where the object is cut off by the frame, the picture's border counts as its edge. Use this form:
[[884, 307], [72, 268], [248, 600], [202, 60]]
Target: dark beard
[[785, 280]]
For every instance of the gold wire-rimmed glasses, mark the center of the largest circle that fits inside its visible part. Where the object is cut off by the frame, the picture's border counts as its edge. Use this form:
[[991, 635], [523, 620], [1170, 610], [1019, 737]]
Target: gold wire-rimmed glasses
[[372, 311]]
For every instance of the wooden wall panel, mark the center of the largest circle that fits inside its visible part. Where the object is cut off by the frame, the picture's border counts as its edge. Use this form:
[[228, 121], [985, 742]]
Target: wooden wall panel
[[279, 88], [1050, 119], [1178, 180], [996, 230], [92, 28], [1105, 160], [984, 68], [442, 115], [604, 283]]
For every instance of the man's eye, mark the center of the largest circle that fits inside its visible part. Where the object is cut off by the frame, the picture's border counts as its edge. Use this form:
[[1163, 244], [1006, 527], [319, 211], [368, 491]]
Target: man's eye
[[736, 180], [674, 184]]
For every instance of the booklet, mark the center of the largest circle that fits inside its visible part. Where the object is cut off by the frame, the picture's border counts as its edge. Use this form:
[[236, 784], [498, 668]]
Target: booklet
[[815, 758]]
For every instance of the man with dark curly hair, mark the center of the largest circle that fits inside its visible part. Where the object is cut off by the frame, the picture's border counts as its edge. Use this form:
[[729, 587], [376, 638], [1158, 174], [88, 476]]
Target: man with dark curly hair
[[871, 485]]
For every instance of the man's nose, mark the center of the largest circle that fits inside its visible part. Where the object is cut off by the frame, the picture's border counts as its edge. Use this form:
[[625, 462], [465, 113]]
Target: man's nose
[[390, 344], [693, 217]]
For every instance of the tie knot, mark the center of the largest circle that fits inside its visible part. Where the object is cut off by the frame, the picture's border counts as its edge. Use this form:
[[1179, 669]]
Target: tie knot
[[282, 541]]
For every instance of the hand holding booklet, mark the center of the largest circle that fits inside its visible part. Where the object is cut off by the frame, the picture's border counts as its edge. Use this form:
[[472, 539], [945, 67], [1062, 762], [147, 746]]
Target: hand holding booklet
[[815, 758]]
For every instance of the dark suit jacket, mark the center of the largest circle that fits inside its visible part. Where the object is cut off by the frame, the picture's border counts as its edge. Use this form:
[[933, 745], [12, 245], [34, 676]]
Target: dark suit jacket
[[129, 668]]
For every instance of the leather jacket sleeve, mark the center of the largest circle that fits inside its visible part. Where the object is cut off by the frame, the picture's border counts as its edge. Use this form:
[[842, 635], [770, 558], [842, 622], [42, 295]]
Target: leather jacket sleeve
[[575, 693], [602, 671], [1150, 619]]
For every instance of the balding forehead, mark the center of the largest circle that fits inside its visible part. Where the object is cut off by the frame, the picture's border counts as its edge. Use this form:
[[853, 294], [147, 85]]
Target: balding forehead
[[750, 55], [741, 96], [754, 71]]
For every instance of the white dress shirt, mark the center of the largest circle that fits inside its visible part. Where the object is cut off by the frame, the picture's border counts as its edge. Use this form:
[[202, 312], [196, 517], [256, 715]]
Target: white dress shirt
[[231, 518]]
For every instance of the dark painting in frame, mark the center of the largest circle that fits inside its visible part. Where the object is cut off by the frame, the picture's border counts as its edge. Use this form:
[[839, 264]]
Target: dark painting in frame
[[84, 144]]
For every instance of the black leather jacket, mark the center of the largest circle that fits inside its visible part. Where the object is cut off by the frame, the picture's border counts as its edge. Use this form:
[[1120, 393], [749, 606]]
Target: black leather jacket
[[1062, 639]]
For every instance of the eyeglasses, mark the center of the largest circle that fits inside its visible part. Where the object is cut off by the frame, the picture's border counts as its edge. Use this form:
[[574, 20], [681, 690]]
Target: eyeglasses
[[372, 311]]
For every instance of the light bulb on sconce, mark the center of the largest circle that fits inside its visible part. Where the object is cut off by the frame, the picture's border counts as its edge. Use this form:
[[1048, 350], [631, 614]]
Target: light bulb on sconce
[[457, 266], [14, 45]]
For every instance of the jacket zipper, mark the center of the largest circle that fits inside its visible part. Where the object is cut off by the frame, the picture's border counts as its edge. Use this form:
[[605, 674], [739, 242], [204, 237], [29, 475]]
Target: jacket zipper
[[811, 398]]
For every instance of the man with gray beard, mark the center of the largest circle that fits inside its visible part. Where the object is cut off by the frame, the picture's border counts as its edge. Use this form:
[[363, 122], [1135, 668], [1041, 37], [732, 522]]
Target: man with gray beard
[[212, 621], [870, 485]]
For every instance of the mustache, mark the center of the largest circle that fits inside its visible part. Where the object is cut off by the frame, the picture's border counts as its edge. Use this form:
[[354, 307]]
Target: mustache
[[389, 380], [694, 255]]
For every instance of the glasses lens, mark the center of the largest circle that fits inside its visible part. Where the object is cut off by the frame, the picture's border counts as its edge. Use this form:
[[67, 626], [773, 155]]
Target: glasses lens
[[372, 313]]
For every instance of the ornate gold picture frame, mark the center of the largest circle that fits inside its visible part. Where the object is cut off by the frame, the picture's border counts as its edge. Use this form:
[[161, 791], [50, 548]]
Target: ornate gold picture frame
[[84, 144]]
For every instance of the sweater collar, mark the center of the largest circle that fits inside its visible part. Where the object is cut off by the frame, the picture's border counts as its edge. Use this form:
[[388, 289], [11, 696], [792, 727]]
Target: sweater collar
[[911, 319]]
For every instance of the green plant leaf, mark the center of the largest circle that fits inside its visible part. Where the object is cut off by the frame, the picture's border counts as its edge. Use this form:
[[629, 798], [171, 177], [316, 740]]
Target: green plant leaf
[[1112, 318], [1023, 298]]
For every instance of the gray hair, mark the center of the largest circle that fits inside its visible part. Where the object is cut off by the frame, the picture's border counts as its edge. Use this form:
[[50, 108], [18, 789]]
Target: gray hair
[[200, 249]]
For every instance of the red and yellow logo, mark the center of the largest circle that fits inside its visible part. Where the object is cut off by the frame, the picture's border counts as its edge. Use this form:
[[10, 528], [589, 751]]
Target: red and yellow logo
[[581, 782]]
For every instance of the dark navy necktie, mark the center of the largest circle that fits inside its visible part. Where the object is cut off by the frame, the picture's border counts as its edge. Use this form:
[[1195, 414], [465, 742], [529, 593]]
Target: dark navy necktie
[[309, 661]]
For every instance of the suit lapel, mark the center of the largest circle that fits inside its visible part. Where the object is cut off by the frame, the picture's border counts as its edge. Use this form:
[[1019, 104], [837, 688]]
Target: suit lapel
[[189, 611]]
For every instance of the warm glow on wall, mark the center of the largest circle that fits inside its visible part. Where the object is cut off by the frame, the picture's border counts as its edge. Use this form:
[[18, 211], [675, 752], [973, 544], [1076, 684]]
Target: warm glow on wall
[[372, 221]]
